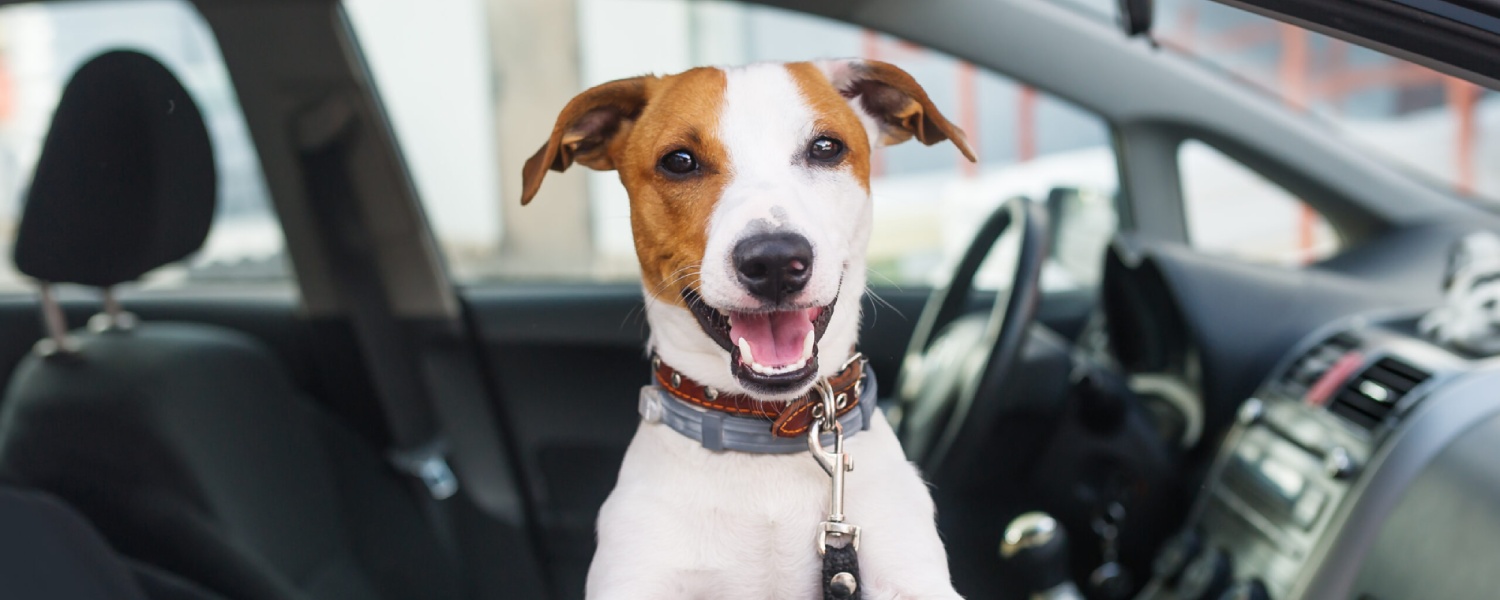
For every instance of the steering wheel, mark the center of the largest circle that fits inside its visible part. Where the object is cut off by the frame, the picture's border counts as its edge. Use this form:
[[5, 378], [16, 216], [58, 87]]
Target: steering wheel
[[956, 366]]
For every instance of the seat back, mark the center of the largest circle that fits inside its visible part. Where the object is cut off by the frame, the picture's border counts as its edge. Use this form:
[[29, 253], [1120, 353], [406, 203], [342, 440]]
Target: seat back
[[188, 445]]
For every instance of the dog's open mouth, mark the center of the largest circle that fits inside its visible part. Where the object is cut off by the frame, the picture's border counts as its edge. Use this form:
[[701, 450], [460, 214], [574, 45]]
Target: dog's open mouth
[[770, 351]]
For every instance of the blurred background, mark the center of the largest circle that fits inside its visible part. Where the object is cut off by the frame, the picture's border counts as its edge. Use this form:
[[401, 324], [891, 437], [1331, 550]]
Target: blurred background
[[472, 87]]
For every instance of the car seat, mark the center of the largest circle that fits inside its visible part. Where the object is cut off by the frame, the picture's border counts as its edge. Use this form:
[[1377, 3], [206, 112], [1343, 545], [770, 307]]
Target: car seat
[[187, 445]]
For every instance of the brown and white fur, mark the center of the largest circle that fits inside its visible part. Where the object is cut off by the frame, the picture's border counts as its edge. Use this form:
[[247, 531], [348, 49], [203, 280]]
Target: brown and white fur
[[683, 521]]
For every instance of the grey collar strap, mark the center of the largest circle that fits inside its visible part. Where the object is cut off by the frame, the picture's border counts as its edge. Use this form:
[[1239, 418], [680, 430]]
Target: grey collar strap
[[719, 431]]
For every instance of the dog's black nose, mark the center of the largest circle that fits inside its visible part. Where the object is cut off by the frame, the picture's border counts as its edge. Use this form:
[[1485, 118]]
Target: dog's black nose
[[773, 265]]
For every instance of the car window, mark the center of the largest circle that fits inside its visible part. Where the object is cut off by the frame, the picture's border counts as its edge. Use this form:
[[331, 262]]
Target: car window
[[42, 44], [466, 127], [1234, 211]]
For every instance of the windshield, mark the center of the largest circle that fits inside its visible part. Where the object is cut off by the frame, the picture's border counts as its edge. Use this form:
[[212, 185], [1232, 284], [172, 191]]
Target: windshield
[[1443, 128]]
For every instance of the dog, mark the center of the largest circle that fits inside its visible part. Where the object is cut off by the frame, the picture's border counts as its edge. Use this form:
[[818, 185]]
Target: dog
[[750, 209]]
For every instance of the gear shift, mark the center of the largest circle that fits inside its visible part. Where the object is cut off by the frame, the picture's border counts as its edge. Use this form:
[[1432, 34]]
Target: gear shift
[[1037, 547]]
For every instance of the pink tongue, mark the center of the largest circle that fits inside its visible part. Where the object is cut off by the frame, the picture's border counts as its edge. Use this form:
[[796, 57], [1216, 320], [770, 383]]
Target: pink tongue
[[775, 338]]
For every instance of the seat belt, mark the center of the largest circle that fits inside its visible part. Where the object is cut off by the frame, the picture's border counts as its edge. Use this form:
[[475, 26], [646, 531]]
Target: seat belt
[[428, 387], [418, 448]]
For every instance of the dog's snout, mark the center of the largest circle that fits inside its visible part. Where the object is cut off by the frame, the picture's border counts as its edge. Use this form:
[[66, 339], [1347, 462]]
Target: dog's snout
[[773, 266]]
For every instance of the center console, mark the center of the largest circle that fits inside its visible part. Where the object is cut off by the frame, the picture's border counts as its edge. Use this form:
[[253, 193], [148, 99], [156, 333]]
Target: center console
[[1294, 459]]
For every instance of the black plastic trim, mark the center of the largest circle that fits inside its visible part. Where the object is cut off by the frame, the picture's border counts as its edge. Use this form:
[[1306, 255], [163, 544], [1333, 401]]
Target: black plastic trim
[[1429, 35]]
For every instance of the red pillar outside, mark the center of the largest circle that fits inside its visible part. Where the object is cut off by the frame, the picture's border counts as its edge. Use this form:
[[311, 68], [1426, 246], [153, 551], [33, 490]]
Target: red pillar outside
[[1294, 80], [1462, 99], [968, 114], [1026, 124], [7, 90]]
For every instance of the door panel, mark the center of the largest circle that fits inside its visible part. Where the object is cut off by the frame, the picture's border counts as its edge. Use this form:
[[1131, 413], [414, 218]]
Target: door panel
[[569, 361]]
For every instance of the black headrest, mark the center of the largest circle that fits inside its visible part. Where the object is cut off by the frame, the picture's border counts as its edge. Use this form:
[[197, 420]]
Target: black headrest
[[126, 179]]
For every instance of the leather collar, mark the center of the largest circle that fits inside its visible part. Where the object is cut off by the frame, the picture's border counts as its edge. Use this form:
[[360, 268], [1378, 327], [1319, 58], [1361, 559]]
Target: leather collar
[[788, 419]]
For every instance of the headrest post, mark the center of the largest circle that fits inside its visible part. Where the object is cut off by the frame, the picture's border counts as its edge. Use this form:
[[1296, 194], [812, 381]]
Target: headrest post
[[114, 318], [56, 323]]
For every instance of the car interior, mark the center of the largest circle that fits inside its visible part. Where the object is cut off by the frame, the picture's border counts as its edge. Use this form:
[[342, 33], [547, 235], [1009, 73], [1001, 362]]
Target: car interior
[[1191, 426]]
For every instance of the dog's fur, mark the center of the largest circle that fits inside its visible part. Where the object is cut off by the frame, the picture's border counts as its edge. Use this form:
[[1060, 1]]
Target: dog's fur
[[685, 522]]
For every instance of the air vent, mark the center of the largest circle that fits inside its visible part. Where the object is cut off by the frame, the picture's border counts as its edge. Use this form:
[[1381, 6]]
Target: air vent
[[1308, 369], [1371, 395]]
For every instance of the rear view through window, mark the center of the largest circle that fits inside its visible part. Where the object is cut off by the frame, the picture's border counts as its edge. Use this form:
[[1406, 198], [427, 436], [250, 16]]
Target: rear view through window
[[42, 44]]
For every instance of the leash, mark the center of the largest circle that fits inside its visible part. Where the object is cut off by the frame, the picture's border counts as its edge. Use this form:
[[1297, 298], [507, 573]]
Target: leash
[[840, 562]]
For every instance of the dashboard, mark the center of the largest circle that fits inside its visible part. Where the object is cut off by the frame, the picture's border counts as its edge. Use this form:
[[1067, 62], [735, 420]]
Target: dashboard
[[1363, 466]]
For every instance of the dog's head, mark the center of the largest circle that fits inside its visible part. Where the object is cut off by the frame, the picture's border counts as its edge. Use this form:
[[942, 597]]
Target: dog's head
[[750, 205]]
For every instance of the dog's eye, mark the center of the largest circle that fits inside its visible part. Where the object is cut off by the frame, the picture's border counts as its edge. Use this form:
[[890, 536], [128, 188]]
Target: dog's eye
[[825, 149], [679, 162]]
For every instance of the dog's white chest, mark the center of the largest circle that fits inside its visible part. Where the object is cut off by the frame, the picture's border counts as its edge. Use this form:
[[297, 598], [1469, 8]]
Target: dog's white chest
[[684, 522]]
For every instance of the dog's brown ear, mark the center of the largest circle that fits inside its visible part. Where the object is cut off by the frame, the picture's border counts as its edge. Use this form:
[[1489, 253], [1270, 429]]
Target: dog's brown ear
[[893, 98], [585, 129]]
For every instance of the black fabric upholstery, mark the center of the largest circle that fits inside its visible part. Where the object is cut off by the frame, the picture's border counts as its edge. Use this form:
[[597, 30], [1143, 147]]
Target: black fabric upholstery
[[190, 449], [48, 551], [126, 180], [161, 585]]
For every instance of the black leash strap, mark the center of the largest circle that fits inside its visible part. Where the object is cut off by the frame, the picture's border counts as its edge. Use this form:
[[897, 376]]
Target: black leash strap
[[840, 563], [840, 573]]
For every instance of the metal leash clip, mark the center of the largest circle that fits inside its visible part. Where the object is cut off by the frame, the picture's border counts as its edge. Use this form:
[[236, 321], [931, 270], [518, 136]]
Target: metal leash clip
[[835, 463]]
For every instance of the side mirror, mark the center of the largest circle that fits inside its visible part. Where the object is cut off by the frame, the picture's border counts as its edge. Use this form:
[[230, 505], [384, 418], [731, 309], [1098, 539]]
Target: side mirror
[[1135, 17]]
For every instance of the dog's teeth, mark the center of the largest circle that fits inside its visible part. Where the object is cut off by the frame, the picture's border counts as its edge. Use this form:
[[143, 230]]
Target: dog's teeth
[[748, 357]]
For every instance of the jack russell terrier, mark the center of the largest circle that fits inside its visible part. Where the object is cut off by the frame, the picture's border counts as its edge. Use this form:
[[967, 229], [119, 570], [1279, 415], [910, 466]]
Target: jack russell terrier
[[750, 207]]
